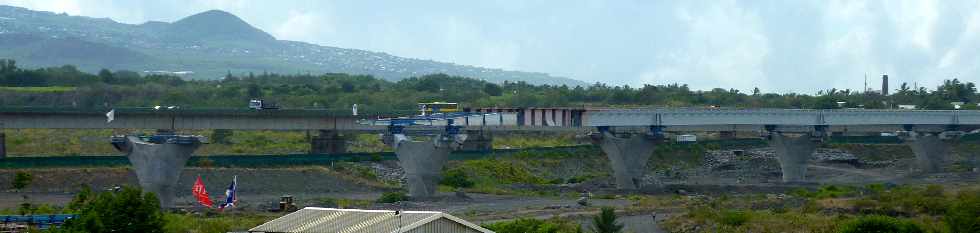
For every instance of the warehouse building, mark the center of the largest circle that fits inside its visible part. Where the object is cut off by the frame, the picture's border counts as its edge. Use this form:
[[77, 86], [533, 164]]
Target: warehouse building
[[328, 220]]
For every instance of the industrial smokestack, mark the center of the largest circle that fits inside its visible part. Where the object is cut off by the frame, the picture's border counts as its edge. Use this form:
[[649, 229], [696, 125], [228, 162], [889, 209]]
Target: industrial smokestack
[[884, 84]]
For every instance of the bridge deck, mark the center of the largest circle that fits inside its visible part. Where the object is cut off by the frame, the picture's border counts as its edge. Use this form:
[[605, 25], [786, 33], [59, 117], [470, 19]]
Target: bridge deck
[[325, 119]]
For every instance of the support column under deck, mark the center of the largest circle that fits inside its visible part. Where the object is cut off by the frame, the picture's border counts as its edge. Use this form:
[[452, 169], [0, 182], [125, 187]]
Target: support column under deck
[[478, 141], [930, 151], [423, 161], [628, 156], [328, 142], [3, 145], [158, 166], [793, 153]]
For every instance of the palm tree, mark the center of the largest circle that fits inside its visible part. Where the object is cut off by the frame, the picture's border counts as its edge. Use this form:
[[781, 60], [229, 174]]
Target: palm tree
[[605, 222]]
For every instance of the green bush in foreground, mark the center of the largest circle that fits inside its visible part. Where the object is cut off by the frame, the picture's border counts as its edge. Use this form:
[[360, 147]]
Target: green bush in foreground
[[456, 178], [127, 210], [530, 225], [964, 215], [880, 224], [605, 222], [733, 218], [21, 180], [392, 197]]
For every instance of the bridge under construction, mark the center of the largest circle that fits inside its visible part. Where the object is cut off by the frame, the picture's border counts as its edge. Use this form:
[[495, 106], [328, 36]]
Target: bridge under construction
[[626, 136]]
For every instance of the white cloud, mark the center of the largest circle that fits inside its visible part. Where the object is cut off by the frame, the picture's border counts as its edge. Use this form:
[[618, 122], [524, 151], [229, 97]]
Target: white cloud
[[303, 26], [725, 47], [915, 19], [72, 7], [800, 46]]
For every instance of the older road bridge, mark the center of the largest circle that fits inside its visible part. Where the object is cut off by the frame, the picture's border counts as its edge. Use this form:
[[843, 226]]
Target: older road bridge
[[625, 135]]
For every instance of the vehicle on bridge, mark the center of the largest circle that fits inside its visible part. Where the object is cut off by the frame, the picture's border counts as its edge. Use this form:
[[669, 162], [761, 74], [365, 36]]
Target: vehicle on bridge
[[437, 107], [260, 104]]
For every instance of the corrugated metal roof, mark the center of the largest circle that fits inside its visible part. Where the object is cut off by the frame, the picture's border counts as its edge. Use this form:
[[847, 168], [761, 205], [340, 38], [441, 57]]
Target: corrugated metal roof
[[329, 220]]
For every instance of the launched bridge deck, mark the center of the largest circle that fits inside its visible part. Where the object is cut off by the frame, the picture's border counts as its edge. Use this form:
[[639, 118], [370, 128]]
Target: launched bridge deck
[[518, 119]]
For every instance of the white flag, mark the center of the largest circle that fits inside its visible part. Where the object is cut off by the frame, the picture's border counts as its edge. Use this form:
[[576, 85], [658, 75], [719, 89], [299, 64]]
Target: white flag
[[354, 109], [111, 115]]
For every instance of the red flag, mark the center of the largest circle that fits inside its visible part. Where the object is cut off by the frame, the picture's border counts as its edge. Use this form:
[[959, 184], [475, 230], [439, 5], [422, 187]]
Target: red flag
[[201, 194]]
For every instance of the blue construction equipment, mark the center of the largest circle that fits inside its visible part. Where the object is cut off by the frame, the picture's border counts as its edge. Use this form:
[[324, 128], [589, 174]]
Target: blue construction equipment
[[42, 221]]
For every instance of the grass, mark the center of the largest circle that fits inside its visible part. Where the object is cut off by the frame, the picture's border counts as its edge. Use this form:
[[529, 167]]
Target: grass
[[532, 140], [61, 142], [342, 203], [220, 223], [827, 209], [38, 90], [876, 152]]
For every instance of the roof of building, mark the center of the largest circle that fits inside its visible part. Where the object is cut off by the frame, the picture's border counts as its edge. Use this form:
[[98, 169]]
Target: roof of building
[[314, 219]]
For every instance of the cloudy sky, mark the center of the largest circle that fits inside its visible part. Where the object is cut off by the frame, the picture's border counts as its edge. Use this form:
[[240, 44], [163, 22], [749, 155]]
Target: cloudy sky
[[781, 46]]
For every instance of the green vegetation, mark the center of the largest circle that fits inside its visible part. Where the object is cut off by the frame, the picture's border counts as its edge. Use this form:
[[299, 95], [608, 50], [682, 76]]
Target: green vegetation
[[456, 179], [340, 91], [826, 191], [38, 90], [342, 203], [39, 142], [492, 175], [131, 210], [128, 210], [873, 208], [880, 224], [530, 225], [964, 215], [36, 142], [605, 222], [676, 154], [733, 218], [876, 152], [21, 180], [533, 140], [183, 223], [392, 197]]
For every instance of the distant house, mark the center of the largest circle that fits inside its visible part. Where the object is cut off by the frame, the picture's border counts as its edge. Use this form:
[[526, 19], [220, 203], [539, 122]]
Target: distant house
[[328, 220], [907, 106]]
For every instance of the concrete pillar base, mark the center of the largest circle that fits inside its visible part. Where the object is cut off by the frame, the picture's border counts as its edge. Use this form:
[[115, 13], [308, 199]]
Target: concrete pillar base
[[423, 161], [727, 135], [793, 153], [478, 141], [158, 166], [328, 142], [930, 151], [3, 145], [628, 156]]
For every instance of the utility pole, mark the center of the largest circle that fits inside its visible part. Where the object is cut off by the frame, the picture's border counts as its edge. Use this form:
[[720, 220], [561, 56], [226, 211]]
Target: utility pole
[[865, 83]]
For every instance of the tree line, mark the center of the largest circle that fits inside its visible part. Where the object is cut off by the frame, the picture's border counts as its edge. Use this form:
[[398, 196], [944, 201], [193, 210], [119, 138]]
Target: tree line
[[124, 88]]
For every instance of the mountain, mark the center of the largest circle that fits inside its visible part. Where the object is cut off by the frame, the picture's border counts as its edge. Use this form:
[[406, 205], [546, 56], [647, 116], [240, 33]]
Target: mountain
[[209, 44]]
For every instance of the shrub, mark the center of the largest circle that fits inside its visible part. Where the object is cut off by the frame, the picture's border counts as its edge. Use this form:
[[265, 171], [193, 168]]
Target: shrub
[[530, 225], [127, 210], [733, 218], [456, 178], [222, 136], [21, 180], [392, 197], [879, 224], [964, 215], [605, 222]]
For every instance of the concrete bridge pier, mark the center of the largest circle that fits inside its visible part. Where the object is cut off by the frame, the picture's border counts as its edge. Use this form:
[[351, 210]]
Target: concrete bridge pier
[[423, 161], [629, 156], [477, 140], [792, 153], [328, 142], [930, 151], [158, 166], [3, 145]]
